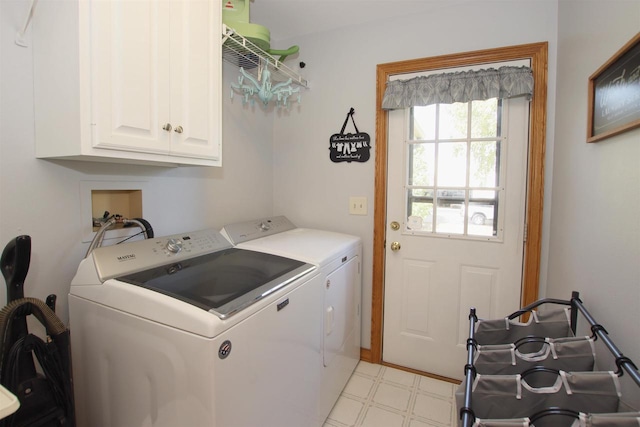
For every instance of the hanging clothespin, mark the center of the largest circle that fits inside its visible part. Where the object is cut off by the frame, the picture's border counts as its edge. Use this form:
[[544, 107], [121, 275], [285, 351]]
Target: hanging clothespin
[[261, 68]]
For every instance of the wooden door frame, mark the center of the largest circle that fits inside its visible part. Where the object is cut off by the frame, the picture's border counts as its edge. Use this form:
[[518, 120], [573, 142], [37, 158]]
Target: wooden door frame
[[537, 53]]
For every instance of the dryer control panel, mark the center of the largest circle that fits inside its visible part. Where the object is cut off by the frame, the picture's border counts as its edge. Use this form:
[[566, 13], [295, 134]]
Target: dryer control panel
[[250, 230]]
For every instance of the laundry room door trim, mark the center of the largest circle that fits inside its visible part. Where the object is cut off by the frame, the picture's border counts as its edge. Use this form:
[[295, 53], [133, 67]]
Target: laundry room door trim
[[538, 54]]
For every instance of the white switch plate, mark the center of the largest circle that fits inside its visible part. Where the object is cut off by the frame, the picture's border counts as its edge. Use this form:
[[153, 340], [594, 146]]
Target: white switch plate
[[357, 205]]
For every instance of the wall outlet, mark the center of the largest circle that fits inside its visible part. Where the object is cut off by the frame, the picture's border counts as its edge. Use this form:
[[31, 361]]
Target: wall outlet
[[357, 205]]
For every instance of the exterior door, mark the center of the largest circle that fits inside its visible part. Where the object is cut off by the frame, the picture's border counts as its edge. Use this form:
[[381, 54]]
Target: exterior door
[[455, 227]]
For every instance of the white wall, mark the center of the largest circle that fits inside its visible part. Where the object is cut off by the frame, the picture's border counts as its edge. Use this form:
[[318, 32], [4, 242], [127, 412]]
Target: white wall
[[341, 67], [42, 198], [594, 244]]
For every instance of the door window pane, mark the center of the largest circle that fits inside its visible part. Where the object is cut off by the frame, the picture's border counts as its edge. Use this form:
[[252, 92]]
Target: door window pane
[[484, 118], [448, 218], [483, 164], [423, 124], [422, 164], [453, 121], [452, 164], [420, 210], [482, 213]]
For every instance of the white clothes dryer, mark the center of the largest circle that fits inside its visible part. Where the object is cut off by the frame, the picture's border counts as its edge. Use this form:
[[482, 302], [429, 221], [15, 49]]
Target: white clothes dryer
[[338, 258]]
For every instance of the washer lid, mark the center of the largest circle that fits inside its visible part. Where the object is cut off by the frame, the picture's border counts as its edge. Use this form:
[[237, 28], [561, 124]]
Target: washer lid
[[222, 282]]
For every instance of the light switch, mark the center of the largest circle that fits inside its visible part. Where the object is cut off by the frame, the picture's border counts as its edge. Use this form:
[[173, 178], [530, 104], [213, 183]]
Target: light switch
[[357, 205]]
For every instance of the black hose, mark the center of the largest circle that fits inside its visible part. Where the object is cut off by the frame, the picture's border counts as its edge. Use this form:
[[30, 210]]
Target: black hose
[[24, 307], [148, 229]]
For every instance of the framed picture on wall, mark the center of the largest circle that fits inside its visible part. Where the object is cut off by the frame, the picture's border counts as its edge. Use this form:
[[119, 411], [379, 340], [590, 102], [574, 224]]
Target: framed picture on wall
[[614, 94]]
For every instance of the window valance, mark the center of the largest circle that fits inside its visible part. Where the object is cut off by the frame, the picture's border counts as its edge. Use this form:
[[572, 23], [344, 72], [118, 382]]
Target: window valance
[[462, 86]]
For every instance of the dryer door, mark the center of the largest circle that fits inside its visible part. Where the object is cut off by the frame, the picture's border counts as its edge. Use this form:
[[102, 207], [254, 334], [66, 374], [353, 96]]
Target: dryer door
[[341, 312]]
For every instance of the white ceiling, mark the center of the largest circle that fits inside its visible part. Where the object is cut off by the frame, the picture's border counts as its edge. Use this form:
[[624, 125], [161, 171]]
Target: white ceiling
[[287, 19]]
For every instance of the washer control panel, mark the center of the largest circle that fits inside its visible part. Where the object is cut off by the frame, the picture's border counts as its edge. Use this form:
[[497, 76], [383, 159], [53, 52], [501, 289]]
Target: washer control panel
[[250, 230], [127, 258]]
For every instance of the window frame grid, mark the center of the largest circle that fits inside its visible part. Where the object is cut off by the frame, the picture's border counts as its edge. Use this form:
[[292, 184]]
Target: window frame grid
[[498, 189]]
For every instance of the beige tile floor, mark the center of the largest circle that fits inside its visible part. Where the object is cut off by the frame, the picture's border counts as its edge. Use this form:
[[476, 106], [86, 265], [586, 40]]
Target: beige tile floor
[[380, 396]]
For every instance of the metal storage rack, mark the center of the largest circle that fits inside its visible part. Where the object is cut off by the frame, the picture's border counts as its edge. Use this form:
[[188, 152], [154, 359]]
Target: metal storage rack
[[623, 363], [239, 51]]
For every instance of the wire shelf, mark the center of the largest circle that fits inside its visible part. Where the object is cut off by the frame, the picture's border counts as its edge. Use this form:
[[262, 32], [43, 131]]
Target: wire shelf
[[241, 52]]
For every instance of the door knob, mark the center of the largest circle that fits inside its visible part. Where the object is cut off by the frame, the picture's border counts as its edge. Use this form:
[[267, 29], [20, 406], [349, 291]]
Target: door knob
[[179, 129], [395, 246], [167, 127]]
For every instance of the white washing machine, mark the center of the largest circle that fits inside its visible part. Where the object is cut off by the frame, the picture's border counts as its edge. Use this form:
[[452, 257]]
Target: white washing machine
[[187, 331], [338, 257]]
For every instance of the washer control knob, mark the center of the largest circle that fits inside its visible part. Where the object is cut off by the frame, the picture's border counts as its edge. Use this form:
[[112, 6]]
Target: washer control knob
[[174, 245], [265, 226]]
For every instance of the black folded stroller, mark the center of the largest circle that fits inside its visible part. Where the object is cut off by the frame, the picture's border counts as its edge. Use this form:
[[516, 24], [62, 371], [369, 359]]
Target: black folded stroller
[[36, 371]]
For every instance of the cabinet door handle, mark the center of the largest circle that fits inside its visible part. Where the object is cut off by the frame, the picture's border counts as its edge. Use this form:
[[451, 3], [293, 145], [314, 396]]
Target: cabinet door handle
[[179, 129], [167, 127]]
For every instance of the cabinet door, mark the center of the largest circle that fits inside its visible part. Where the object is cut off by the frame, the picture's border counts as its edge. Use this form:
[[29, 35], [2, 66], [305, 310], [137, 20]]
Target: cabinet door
[[130, 66], [196, 78]]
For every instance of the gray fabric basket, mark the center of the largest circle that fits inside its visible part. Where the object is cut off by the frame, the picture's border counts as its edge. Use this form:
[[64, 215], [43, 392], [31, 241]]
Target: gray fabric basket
[[549, 323], [625, 419], [516, 422], [507, 397], [568, 354]]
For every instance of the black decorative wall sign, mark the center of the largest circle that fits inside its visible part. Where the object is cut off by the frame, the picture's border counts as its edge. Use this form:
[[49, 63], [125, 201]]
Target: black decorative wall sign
[[614, 94], [350, 147]]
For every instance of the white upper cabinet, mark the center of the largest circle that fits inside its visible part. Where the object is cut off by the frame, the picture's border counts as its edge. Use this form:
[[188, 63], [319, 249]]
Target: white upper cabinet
[[128, 81]]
